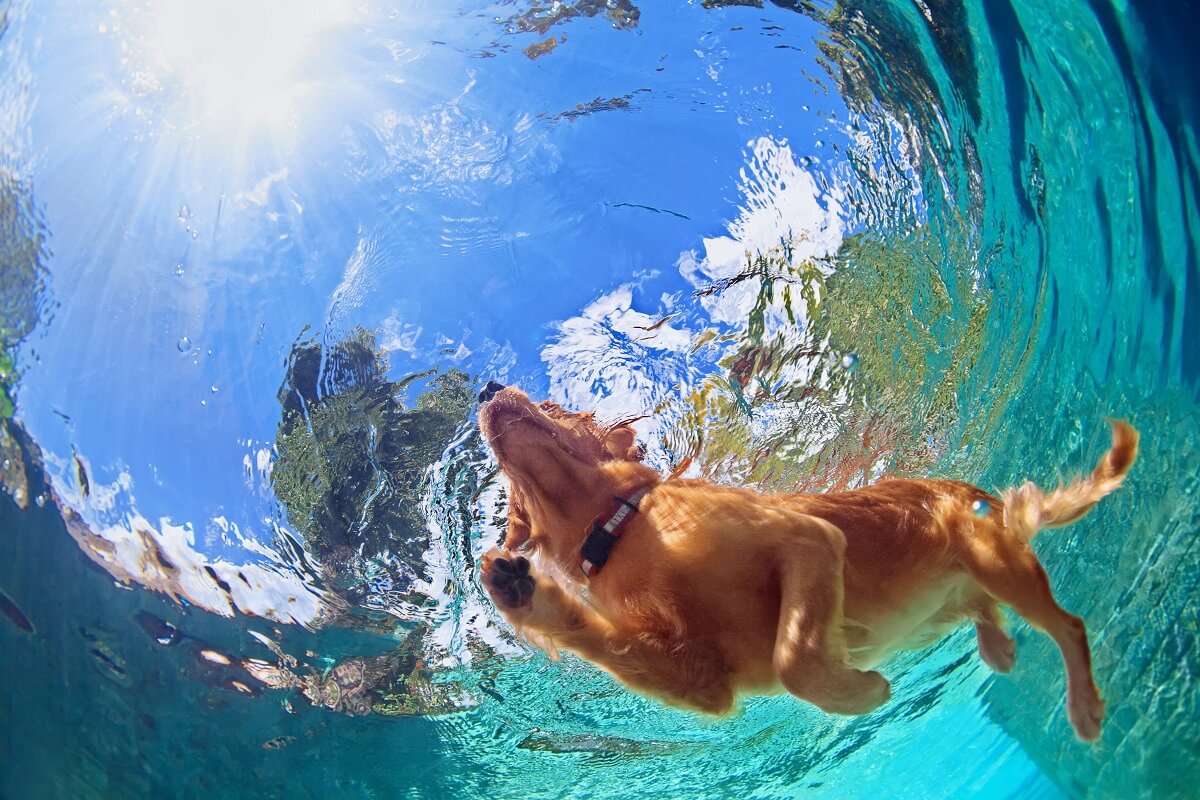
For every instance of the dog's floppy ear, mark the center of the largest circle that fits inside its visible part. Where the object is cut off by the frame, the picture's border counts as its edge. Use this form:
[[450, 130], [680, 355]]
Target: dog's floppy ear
[[621, 442], [519, 528]]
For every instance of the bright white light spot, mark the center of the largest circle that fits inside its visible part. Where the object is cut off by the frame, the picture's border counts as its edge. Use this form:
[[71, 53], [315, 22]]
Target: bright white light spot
[[245, 64], [215, 657]]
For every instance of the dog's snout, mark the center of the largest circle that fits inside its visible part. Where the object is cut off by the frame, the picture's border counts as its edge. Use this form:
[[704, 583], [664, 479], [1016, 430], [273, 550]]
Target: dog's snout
[[489, 391]]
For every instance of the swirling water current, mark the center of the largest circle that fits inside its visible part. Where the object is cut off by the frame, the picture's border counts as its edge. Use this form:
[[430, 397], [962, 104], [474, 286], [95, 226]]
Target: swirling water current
[[258, 258]]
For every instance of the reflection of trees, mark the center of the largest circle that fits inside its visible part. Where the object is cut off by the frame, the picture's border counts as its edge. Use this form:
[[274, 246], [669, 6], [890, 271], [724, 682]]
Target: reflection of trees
[[796, 408], [541, 16], [392, 684], [352, 463], [22, 289], [352, 470]]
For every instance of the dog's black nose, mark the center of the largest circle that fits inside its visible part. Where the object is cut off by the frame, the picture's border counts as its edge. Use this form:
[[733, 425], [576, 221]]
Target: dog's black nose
[[489, 391]]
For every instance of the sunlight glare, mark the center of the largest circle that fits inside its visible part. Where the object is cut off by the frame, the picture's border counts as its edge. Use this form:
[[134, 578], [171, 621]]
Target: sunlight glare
[[244, 64]]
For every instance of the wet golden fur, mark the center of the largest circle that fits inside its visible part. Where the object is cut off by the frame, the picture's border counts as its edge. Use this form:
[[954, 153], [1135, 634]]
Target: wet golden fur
[[713, 591]]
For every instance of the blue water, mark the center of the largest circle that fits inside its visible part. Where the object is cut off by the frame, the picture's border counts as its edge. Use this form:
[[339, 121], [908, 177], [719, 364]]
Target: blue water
[[258, 258]]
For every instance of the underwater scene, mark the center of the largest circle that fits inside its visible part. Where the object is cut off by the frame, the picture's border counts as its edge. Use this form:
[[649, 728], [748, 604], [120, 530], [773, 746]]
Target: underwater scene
[[259, 259]]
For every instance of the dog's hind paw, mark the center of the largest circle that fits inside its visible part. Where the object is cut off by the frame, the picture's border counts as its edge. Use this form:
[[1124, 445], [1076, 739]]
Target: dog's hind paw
[[848, 691], [870, 691], [508, 581], [996, 647], [1085, 710]]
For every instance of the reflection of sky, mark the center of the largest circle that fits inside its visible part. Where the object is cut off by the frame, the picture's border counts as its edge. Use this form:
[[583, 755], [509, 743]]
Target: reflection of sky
[[405, 183], [623, 362]]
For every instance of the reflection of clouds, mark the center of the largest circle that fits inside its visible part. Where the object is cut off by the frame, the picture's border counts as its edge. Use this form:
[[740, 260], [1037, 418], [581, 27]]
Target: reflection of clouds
[[164, 558], [258, 464], [396, 336], [462, 622], [607, 359], [782, 206], [615, 360]]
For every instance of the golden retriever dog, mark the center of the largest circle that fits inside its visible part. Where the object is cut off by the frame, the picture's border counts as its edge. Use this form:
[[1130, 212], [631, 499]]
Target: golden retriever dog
[[696, 593]]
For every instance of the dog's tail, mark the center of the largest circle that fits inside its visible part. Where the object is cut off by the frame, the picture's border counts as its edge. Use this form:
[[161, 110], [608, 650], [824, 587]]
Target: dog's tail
[[1027, 509]]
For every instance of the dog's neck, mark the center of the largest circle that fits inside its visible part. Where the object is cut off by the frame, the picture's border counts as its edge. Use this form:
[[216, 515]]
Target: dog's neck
[[559, 535]]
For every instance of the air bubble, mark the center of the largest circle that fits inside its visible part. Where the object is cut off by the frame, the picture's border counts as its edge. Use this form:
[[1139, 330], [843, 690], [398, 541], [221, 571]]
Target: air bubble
[[40, 500], [203, 402], [981, 508], [849, 362], [185, 212], [184, 344], [213, 389], [179, 270]]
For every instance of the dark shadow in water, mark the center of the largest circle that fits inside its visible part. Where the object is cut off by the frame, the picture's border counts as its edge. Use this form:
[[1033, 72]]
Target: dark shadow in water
[[124, 694]]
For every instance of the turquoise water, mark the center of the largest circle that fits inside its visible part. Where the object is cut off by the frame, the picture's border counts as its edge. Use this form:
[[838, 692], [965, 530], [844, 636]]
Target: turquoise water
[[258, 258]]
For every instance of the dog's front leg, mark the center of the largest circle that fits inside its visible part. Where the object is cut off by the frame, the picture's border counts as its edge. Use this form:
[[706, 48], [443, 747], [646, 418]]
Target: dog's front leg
[[541, 610], [810, 647]]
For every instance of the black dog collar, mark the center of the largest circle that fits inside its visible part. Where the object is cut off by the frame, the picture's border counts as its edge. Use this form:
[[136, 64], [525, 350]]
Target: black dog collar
[[606, 530]]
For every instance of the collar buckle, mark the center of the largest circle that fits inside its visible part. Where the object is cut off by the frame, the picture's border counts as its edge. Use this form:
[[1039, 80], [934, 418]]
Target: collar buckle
[[606, 531]]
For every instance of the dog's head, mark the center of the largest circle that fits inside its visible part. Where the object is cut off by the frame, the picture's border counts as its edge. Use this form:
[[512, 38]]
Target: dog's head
[[552, 457]]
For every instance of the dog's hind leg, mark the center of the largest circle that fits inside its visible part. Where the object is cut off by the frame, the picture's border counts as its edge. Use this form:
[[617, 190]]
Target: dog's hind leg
[[996, 647], [1006, 568], [810, 647], [999, 558]]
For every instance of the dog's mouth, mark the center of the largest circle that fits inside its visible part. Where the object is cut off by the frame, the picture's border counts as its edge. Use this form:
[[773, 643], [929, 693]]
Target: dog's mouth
[[506, 408], [531, 445]]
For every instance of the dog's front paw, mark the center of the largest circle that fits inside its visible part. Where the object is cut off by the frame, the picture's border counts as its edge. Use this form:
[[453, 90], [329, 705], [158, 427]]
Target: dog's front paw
[[508, 581]]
